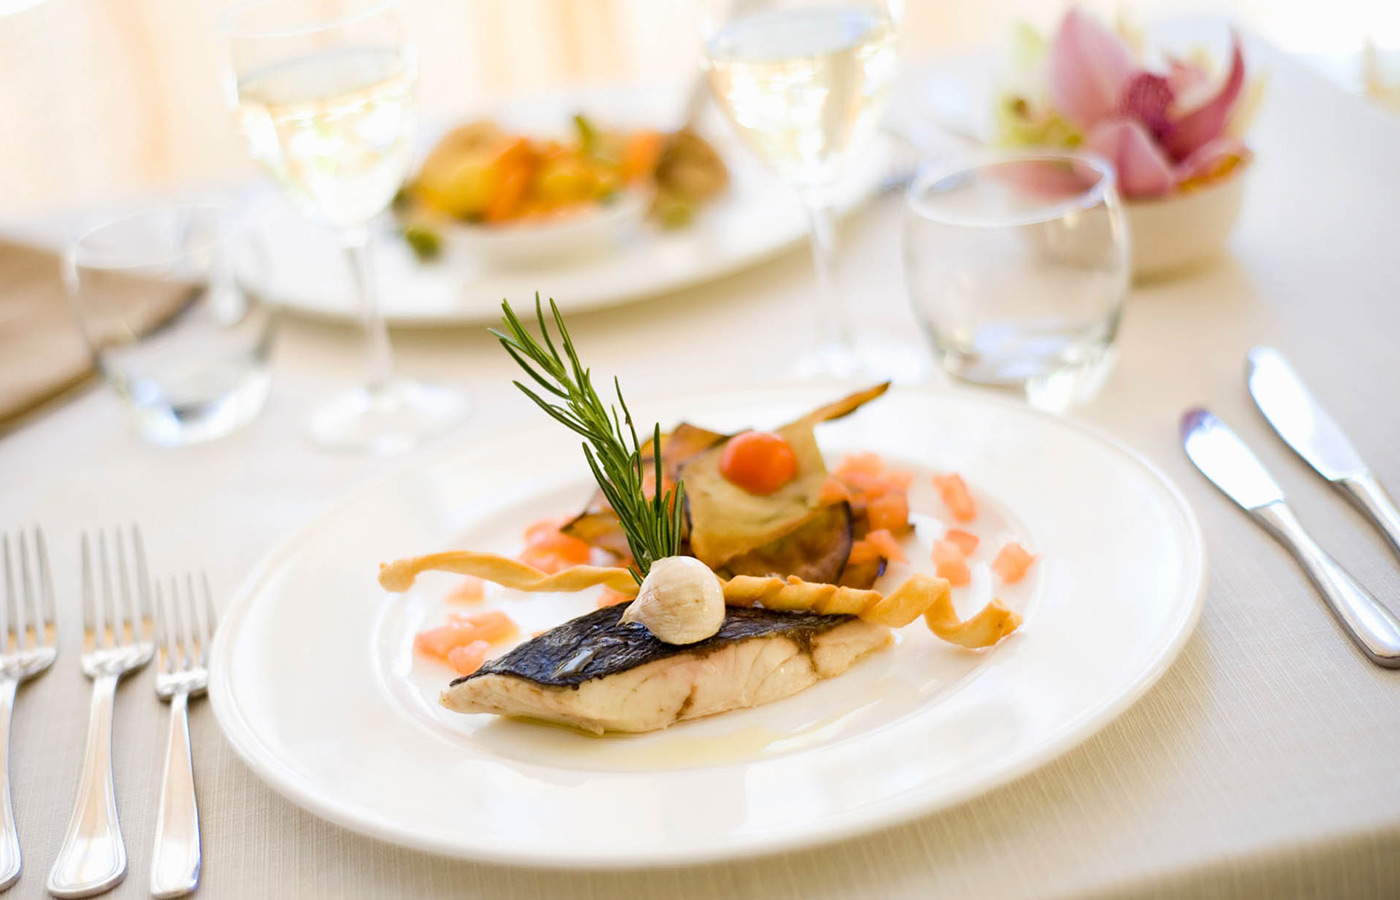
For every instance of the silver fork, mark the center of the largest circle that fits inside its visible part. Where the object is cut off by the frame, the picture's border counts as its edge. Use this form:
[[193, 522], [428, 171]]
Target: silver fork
[[30, 645], [116, 640], [184, 630]]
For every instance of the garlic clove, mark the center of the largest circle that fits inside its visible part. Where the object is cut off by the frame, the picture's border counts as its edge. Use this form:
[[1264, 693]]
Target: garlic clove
[[680, 601]]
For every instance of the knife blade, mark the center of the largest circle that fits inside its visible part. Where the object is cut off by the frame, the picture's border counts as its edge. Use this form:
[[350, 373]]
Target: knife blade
[[1231, 466], [1305, 426], [1226, 461], [1298, 418]]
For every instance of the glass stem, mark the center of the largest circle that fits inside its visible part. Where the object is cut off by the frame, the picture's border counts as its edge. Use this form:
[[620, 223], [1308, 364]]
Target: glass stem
[[835, 335], [379, 352]]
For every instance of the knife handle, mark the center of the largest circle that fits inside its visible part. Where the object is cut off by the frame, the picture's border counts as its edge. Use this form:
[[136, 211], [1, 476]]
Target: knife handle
[[1374, 628], [1368, 495]]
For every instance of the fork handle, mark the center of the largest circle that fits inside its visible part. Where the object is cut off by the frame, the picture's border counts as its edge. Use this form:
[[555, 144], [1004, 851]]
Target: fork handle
[[93, 857], [9, 837], [175, 860]]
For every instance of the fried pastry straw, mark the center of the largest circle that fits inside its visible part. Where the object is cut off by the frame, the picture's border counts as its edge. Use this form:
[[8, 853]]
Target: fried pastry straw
[[919, 595]]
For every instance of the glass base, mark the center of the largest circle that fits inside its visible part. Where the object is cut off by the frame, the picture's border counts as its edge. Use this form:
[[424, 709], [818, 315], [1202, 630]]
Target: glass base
[[390, 419], [871, 359], [199, 407], [1056, 386]]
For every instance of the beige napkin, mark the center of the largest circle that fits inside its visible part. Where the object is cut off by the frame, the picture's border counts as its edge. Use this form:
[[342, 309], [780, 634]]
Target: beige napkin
[[42, 352]]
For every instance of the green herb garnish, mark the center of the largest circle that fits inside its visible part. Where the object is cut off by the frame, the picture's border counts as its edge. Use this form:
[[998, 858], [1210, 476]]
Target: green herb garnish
[[652, 525]]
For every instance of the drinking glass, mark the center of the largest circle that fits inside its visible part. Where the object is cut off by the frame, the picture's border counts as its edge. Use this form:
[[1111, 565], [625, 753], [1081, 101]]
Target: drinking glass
[[804, 83], [1017, 268], [171, 304], [326, 95]]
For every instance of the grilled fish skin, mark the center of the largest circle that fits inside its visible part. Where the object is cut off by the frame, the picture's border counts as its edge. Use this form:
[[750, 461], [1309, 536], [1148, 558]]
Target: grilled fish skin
[[598, 674]]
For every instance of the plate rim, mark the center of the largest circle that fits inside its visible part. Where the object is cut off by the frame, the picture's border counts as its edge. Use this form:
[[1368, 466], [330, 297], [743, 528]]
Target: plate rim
[[853, 823]]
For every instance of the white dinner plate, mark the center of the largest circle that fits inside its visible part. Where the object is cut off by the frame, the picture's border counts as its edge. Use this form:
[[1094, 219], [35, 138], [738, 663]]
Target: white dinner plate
[[755, 219], [315, 684]]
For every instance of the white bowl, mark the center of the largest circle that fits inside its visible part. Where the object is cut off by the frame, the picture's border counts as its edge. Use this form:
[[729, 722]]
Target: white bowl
[[587, 233], [1176, 232]]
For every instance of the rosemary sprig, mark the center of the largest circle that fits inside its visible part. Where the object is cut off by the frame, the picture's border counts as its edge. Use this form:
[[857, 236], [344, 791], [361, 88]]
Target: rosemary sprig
[[652, 526]]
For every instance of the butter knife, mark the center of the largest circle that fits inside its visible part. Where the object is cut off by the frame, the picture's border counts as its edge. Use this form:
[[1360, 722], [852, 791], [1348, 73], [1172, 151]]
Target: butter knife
[[1228, 463], [1305, 426]]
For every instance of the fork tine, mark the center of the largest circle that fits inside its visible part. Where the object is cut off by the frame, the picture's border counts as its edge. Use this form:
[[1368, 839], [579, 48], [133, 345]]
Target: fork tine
[[143, 582], [126, 617], [165, 643], [106, 608], [177, 624], [209, 618], [25, 615], [89, 598], [9, 597], [194, 640], [50, 618]]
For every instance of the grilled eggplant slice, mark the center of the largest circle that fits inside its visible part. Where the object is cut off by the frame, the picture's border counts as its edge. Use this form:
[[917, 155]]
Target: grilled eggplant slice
[[815, 551], [727, 521]]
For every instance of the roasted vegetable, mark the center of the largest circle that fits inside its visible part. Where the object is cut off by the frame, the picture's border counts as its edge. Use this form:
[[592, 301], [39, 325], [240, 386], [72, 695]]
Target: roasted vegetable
[[598, 525], [481, 173], [726, 521], [815, 551]]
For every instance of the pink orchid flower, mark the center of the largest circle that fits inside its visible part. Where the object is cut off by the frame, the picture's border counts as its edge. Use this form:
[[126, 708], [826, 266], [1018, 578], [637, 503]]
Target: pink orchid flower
[[1088, 66], [1157, 130]]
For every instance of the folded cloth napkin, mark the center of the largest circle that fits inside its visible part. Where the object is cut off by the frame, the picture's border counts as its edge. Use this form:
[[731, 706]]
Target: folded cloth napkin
[[42, 351]]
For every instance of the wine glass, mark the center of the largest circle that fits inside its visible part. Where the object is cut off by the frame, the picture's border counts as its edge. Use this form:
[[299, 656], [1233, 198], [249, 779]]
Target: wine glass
[[804, 83], [326, 95]]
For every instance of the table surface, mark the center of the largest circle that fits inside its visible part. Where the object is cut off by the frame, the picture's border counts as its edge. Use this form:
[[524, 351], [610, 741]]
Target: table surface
[[1263, 763]]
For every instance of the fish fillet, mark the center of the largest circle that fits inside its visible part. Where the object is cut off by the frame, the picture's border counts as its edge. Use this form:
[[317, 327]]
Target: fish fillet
[[598, 674]]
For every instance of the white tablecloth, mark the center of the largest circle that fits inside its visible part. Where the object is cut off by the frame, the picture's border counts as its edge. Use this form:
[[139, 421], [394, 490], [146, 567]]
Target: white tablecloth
[[1264, 763]]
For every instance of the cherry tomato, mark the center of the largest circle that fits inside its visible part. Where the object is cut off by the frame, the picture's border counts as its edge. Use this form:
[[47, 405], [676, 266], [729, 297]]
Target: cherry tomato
[[760, 462]]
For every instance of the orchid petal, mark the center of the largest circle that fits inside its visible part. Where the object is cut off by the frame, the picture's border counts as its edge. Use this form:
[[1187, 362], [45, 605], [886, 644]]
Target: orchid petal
[[1205, 123], [1143, 170], [1147, 98], [1190, 82], [1088, 66], [1212, 160]]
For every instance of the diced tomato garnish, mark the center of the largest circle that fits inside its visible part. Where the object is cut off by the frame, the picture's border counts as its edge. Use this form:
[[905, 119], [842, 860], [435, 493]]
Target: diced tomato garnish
[[860, 464], [760, 462], [833, 491], [436, 641], [886, 545], [469, 657], [492, 625], [867, 475], [461, 630], [551, 550], [866, 483], [469, 590], [966, 541], [956, 497], [862, 552], [949, 563], [610, 597], [1012, 562], [889, 511]]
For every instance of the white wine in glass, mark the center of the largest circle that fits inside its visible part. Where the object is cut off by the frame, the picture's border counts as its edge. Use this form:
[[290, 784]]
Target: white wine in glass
[[804, 84], [326, 95]]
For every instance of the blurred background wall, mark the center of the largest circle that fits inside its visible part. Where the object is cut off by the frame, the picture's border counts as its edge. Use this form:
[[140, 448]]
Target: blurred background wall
[[104, 99]]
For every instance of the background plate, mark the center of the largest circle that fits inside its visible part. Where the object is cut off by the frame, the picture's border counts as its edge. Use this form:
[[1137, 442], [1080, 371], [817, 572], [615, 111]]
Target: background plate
[[757, 218], [313, 685]]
